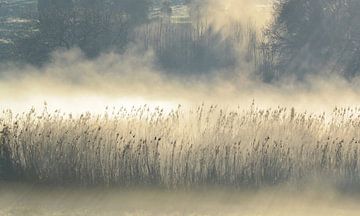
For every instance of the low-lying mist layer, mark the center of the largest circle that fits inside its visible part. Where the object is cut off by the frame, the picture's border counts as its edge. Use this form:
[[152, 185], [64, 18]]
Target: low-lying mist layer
[[29, 200], [72, 83], [183, 148]]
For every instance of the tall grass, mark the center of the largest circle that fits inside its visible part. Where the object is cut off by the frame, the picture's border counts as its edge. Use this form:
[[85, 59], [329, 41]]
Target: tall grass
[[183, 148]]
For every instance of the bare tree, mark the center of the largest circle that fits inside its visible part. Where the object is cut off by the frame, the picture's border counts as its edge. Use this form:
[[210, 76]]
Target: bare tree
[[312, 36]]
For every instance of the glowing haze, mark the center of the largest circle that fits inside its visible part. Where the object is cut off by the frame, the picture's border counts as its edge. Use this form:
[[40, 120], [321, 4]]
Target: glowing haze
[[258, 12], [73, 84]]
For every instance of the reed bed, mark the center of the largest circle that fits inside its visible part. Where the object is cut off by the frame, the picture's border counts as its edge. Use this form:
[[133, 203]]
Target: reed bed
[[209, 145]]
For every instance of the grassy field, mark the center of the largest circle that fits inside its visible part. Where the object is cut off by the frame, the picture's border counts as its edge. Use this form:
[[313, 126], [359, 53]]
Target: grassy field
[[208, 145]]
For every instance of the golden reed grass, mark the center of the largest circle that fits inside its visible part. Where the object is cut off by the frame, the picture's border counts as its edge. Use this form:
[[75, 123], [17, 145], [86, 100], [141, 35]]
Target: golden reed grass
[[203, 146]]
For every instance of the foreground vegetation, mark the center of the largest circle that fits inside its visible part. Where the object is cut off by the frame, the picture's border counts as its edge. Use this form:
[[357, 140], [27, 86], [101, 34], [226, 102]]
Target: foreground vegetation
[[206, 146]]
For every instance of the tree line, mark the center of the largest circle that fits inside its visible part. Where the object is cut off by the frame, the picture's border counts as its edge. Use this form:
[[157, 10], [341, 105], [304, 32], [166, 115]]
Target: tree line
[[93, 26], [305, 36]]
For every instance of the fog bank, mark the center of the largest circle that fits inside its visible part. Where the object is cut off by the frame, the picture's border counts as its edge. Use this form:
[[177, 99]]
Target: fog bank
[[72, 83], [30, 200]]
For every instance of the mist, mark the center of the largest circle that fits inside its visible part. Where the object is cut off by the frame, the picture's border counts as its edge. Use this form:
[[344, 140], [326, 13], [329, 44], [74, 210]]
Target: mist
[[269, 202], [258, 12], [70, 80]]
